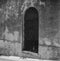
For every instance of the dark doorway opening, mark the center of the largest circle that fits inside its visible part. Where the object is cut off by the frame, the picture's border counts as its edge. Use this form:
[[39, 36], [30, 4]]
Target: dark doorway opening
[[31, 30]]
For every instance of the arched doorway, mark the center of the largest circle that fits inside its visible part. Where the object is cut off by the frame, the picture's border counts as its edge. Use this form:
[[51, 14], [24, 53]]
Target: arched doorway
[[31, 30]]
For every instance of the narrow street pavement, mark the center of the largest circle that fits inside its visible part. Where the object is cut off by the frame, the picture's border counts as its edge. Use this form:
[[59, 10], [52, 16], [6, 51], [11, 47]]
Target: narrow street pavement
[[14, 58]]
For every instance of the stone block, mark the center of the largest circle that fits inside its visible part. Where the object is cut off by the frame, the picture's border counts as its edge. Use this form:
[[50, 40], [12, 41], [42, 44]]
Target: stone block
[[18, 49], [45, 41], [45, 52], [2, 43]]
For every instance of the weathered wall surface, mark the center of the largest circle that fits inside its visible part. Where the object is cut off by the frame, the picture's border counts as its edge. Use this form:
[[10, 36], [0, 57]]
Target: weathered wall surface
[[10, 27], [11, 17], [49, 38]]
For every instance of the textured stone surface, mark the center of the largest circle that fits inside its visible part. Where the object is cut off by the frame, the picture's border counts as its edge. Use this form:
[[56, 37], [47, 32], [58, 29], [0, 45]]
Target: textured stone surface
[[45, 52], [10, 48], [52, 53], [2, 43], [49, 25], [45, 41], [14, 48]]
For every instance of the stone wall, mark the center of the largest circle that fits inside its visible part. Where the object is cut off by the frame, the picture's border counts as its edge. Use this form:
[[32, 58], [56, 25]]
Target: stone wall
[[49, 32], [11, 20], [10, 28]]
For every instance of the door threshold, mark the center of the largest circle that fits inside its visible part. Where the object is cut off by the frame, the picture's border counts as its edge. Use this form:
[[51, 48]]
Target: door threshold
[[28, 54]]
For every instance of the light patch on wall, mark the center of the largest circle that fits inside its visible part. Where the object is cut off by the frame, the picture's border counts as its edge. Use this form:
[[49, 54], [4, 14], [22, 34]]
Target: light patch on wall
[[56, 40], [16, 35], [11, 36], [26, 4], [1, 43], [42, 3], [8, 36], [6, 32], [47, 41]]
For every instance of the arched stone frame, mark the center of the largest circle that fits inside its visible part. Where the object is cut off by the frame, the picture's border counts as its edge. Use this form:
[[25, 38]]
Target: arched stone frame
[[23, 28]]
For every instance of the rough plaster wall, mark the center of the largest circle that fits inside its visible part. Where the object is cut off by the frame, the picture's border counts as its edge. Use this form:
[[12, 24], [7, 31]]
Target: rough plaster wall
[[10, 48], [48, 29], [11, 24], [49, 38], [10, 28]]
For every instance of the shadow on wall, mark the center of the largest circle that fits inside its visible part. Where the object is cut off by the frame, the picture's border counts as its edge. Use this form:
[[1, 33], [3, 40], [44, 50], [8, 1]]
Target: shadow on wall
[[2, 2]]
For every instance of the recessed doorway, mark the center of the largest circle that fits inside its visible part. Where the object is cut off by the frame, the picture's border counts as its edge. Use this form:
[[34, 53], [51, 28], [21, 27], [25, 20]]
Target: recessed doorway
[[31, 30]]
